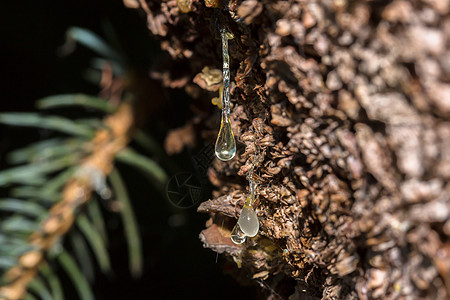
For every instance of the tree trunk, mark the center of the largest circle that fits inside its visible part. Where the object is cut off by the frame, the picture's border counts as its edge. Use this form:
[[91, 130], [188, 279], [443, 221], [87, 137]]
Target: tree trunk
[[348, 103]]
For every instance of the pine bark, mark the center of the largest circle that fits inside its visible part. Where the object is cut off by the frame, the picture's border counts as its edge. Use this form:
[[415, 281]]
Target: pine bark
[[349, 103]]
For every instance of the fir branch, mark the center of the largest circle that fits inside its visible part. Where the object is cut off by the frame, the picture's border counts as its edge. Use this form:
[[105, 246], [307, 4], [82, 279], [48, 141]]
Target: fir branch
[[76, 193]]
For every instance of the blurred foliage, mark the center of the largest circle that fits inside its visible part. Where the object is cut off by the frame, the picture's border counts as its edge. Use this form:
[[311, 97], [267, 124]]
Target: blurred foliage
[[39, 172]]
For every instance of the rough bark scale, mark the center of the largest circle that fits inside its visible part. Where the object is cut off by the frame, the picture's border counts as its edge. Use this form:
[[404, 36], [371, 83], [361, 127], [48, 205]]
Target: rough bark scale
[[350, 103]]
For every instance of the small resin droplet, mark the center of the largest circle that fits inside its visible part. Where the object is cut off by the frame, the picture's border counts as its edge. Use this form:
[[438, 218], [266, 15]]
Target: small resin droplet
[[248, 221], [237, 235], [184, 6], [225, 144]]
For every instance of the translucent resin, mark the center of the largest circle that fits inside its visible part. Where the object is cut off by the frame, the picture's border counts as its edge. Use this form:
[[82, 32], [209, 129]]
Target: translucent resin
[[225, 144], [248, 221], [237, 235]]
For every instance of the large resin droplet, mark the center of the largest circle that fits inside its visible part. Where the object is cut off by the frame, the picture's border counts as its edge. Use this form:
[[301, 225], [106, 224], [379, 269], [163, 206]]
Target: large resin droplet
[[225, 144], [237, 235], [248, 221]]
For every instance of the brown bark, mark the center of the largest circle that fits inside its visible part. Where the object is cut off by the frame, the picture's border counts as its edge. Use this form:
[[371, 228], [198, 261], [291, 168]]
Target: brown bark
[[350, 103]]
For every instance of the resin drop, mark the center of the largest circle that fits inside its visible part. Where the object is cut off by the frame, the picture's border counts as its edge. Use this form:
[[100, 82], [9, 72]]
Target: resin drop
[[225, 144], [248, 221], [237, 235]]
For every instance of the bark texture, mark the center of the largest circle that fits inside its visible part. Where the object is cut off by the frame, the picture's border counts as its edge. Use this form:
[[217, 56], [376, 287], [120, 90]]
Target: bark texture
[[349, 104]]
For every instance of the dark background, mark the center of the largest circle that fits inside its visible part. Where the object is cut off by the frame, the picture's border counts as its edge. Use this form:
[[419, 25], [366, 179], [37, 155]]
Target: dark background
[[175, 263]]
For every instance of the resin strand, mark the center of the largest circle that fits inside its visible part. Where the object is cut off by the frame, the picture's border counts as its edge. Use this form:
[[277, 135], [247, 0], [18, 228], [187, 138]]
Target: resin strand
[[225, 144]]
